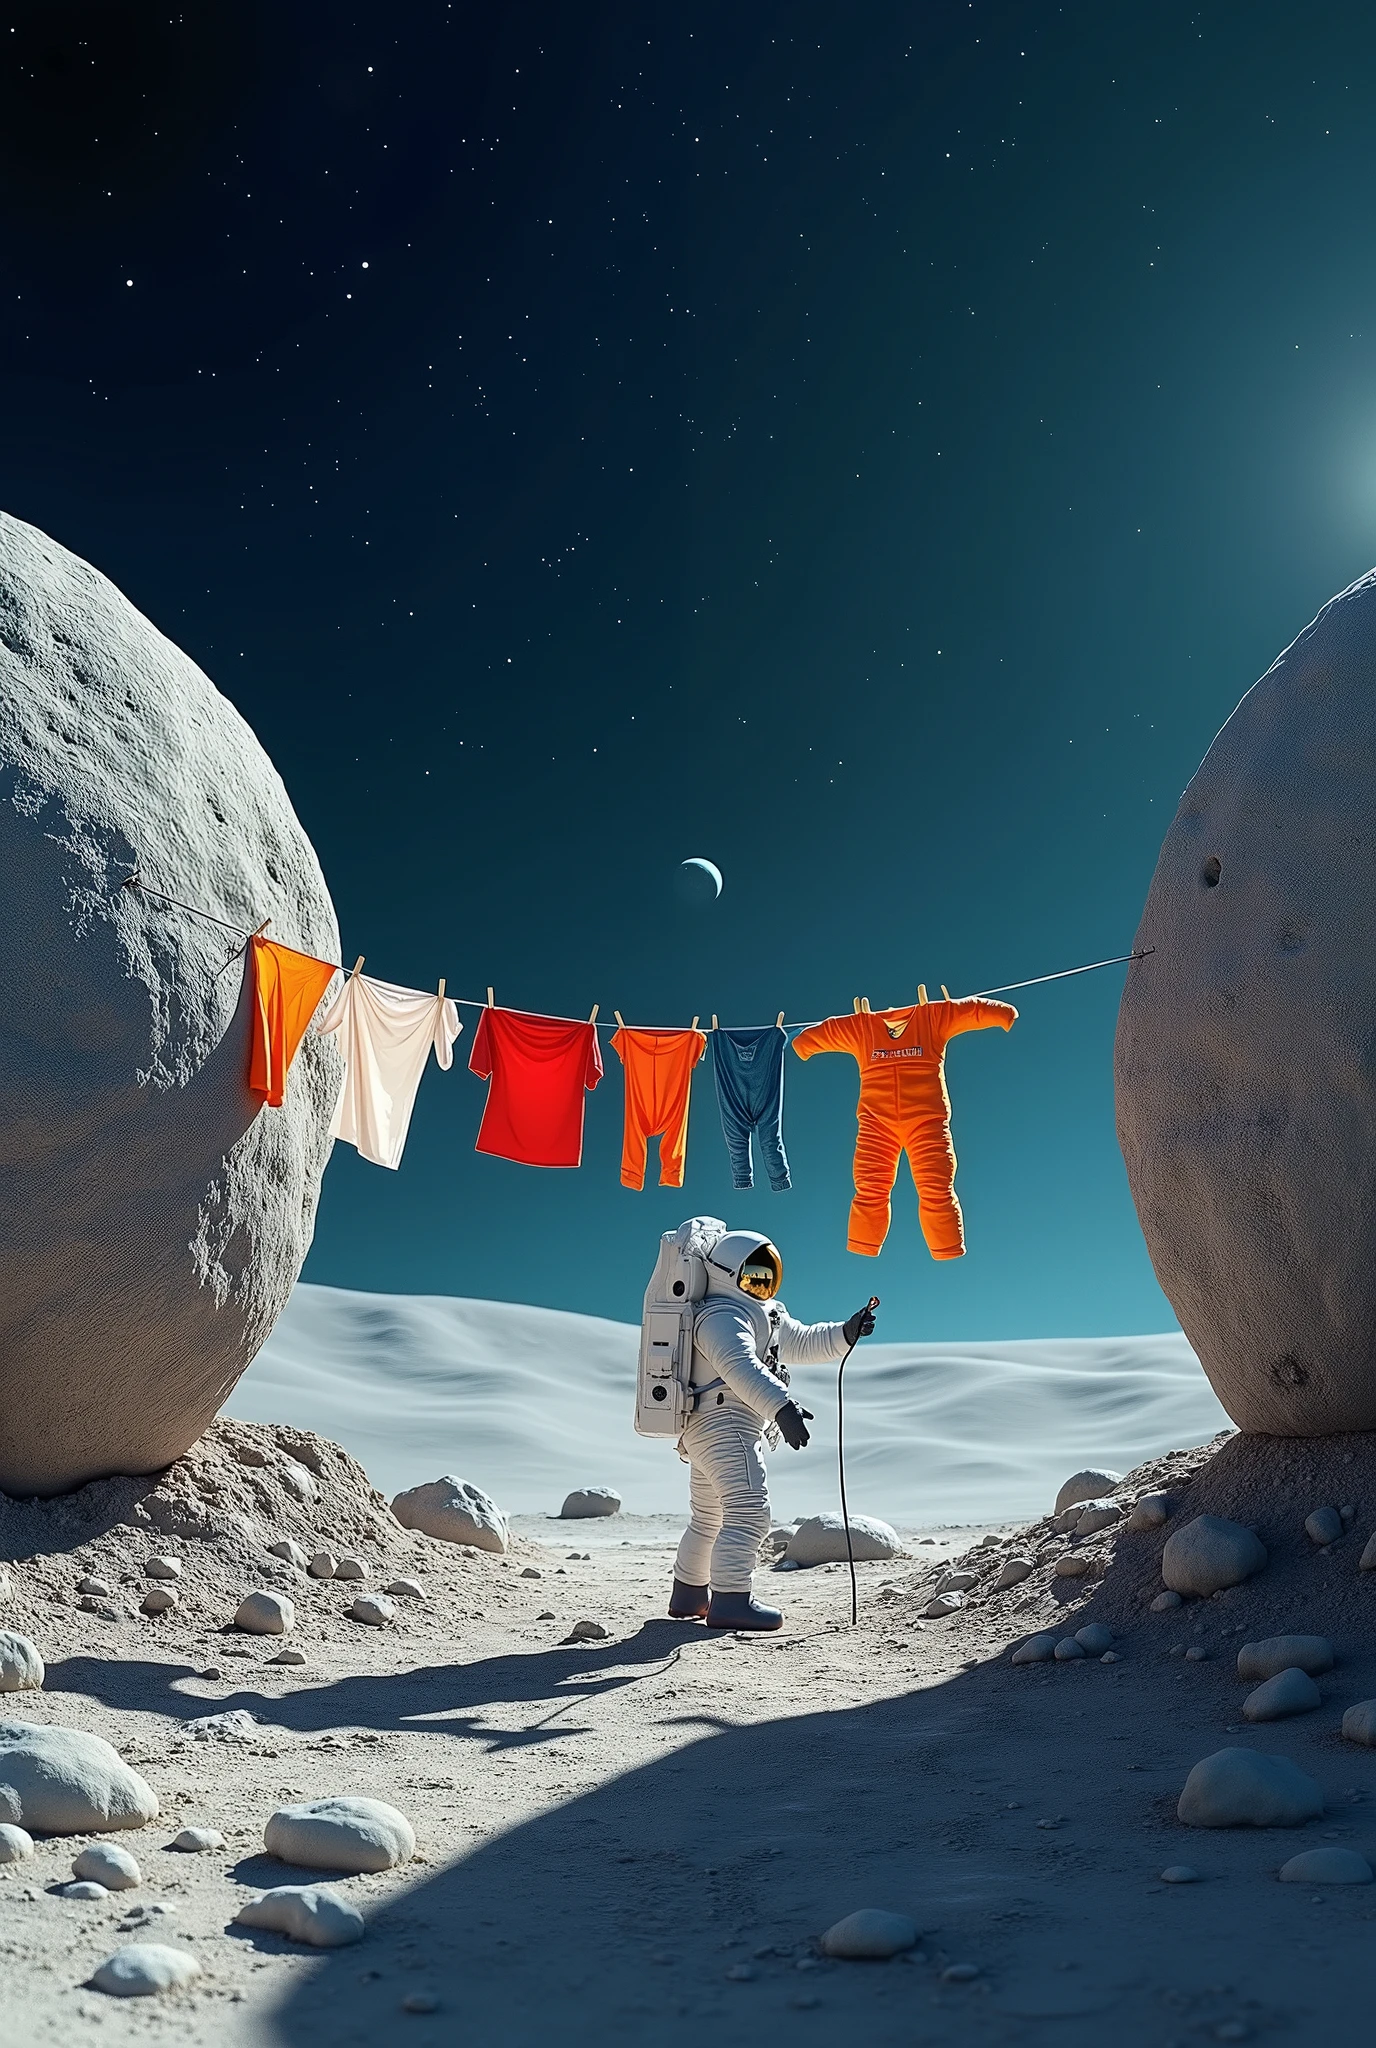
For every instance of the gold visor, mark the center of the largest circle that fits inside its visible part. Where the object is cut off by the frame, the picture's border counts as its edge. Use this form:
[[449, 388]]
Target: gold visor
[[762, 1274]]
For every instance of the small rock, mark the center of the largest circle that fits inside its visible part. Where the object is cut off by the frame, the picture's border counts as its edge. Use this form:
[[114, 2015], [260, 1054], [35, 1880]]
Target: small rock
[[821, 1539], [1015, 1570], [1073, 1564], [957, 1582], [62, 1781], [405, 1589], [1110, 1657], [530, 1572], [344, 1833], [155, 1909], [86, 1888], [545, 1614], [1094, 1638], [585, 1502], [1368, 1558], [197, 1841], [288, 1656], [375, 1610], [1068, 1650], [1326, 1866], [1289, 1692], [212, 1671], [142, 1968], [106, 1863], [96, 1588], [21, 1667], [1165, 1601], [294, 1553], [1151, 1511], [305, 1912], [352, 1568], [323, 1565], [942, 1605], [235, 1724], [265, 1614], [1038, 1649], [453, 1511], [1180, 1873], [959, 1973], [1325, 1525], [1210, 1553], [158, 1599], [16, 1846], [1359, 1723], [106, 1609], [1097, 1515], [870, 1935], [1282, 1653], [1086, 1485], [420, 2001], [163, 1568], [587, 1632], [1196, 1654], [1241, 1788]]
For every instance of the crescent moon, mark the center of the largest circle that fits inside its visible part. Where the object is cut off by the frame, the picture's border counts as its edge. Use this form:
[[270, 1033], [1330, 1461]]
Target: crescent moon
[[708, 867]]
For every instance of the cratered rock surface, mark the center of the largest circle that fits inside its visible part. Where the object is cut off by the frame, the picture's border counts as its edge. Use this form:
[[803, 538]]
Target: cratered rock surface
[[1246, 1050], [152, 1218]]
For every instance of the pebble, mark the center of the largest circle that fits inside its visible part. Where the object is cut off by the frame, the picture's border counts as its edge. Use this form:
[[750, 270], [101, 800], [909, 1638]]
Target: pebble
[[142, 1968], [1094, 1638], [86, 1888], [1210, 1553], [235, 1724], [265, 1614], [1180, 1873], [1015, 1570], [96, 1587], [959, 1973], [1072, 1564], [21, 1667], [197, 1841], [531, 1573], [1097, 1515], [545, 1614], [66, 1782], [305, 1912], [107, 1864], [212, 1672], [957, 1582], [154, 1909], [1240, 1788], [944, 1603], [1359, 1723], [1067, 1650], [16, 1845], [587, 1632], [1325, 1525], [405, 1589], [1090, 1484], [158, 1599], [1289, 1692], [1038, 1649], [1110, 1657], [374, 1609], [292, 1552], [1152, 1511], [323, 1565], [869, 1935], [1326, 1866], [420, 2001], [288, 1657], [1196, 1654], [163, 1568], [1164, 1601], [1282, 1653], [343, 1833], [588, 1501], [352, 1568]]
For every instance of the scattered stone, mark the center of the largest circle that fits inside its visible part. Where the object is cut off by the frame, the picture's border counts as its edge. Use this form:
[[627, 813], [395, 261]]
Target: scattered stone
[[16, 1845], [344, 1833], [1038, 1649], [453, 1511], [352, 1568], [235, 1724], [1015, 1570], [1325, 1525], [97, 1588], [530, 1572], [158, 1599], [587, 1632], [1073, 1564], [163, 1568], [1210, 1553], [1068, 1650], [21, 1667], [1151, 1511], [406, 1589], [106, 1863], [1094, 1638], [1097, 1515], [871, 1935], [288, 1657], [942, 1605], [957, 1582], [213, 1671], [1110, 1657], [143, 1968], [106, 1609], [1282, 1653], [546, 1614], [1241, 1788], [375, 1610], [86, 1888], [197, 1841], [960, 1973], [1368, 1558], [1330, 1865], [1289, 1692], [266, 1614], [292, 1552], [585, 1502], [821, 1539], [62, 1781], [1087, 1485], [323, 1565], [1164, 1601], [305, 1912], [1180, 1873], [1196, 1654], [1359, 1723]]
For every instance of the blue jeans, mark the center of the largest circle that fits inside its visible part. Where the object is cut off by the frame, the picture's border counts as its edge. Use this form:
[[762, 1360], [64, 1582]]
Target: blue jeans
[[749, 1070]]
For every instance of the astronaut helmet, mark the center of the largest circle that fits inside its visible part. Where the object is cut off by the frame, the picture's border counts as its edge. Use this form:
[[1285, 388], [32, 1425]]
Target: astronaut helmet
[[753, 1263]]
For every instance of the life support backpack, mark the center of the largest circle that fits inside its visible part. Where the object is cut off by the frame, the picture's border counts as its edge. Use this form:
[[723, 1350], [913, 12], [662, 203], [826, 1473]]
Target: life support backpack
[[677, 1287]]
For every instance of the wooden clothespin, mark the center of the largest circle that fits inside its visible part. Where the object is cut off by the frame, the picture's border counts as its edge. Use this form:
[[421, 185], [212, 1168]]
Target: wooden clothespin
[[865, 1005], [922, 991], [855, 1004], [357, 967], [262, 928], [491, 1002], [440, 990], [714, 1021], [694, 1024], [620, 1020], [779, 1021], [595, 1008], [945, 991]]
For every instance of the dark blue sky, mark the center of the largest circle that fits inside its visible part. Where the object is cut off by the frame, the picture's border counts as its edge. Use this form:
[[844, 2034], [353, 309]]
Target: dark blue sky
[[872, 447]]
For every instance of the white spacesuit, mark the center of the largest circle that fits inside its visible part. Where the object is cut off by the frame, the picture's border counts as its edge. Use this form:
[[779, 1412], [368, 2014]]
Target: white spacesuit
[[743, 1341]]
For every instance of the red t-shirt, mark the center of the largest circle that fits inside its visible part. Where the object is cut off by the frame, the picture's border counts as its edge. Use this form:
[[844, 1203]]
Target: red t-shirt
[[539, 1068]]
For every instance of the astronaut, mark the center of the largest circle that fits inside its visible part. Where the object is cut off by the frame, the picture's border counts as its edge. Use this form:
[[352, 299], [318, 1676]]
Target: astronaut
[[744, 1340]]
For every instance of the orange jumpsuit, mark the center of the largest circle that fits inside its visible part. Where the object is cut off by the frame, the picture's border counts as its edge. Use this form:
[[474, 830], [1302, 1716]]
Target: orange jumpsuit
[[659, 1074], [904, 1107]]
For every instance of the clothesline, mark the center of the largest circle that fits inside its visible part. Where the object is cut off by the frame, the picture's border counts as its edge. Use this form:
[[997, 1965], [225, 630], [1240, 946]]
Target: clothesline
[[136, 881]]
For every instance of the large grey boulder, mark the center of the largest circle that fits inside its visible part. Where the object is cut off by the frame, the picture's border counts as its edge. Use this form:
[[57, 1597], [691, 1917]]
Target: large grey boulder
[[1246, 1089], [821, 1539], [1241, 1788], [153, 1218], [1209, 1554], [346, 1833], [63, 1781], [452, 1510]]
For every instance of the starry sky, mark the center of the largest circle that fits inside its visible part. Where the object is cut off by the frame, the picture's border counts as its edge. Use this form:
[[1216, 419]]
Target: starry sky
[[872, 448]]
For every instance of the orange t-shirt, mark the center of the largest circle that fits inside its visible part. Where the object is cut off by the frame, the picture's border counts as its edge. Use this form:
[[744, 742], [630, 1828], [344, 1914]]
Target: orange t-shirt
[[901, 1053], [287, 987]]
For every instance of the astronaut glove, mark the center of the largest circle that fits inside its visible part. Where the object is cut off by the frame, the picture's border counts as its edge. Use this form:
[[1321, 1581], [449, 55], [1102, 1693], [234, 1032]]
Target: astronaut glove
[[861, 1324], [792, 1422]]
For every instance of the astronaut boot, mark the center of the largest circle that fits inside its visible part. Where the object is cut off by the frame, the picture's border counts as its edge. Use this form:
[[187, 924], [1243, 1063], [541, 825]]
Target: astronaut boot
[[688, 1603], [739, 1610]]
